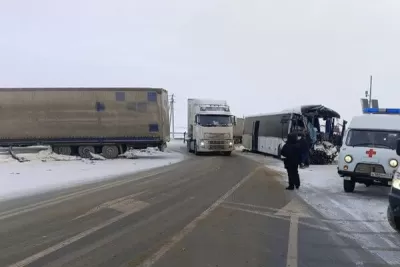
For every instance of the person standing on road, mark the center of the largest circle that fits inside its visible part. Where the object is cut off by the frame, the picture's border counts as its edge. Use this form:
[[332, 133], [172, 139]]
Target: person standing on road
[[305, 151], [292, 153]]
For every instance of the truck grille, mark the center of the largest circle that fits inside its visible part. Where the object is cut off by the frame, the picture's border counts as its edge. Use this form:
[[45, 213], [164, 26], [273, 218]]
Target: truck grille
[[368, 168], [215, 135], [216, 142]]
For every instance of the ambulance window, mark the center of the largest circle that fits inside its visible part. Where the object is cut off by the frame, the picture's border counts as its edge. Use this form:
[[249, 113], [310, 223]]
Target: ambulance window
[[372, 138]]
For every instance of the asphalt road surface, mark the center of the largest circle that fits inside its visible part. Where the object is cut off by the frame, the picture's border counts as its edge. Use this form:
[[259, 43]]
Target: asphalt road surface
[[204, 211]]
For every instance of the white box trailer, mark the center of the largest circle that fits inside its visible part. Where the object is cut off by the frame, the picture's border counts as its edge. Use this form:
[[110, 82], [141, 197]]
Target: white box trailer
[[210, 126], [83, 120], [238, 130]]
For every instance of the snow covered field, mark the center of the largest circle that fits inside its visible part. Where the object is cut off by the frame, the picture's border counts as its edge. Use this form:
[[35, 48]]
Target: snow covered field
[[361, 214], [46, 170]]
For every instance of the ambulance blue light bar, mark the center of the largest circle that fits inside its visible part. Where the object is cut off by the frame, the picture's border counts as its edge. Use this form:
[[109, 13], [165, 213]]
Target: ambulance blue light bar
[[382, 110]]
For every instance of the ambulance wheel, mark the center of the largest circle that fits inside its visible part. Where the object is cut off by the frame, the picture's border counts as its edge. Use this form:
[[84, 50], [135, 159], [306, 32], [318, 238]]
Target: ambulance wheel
[[349, 186]]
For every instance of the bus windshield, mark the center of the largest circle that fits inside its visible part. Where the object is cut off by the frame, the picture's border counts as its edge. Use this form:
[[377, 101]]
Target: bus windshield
[[214, 120], [372, 138]]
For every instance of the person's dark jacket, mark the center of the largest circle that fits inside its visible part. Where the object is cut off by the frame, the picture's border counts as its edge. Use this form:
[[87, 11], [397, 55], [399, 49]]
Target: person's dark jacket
[[292, 152]]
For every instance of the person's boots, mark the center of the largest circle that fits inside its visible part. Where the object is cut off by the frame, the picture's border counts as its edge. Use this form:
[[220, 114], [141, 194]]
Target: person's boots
[[290, 187]]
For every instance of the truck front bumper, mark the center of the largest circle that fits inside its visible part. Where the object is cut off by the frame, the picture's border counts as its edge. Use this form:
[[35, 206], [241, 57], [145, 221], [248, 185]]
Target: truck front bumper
[[216, 146]]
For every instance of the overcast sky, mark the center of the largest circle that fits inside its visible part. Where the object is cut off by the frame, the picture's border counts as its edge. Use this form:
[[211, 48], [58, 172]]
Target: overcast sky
[[260, 55]]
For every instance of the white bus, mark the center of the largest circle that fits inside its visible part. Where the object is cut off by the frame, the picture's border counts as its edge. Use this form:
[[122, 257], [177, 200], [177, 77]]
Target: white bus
[[266, 133]]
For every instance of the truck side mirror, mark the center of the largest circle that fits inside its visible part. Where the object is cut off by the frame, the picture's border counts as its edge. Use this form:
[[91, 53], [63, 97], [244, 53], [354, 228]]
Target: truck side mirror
[[398, 147], [234, 120]]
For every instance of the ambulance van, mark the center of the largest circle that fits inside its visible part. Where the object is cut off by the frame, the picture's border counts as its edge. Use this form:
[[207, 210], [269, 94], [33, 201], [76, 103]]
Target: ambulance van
[[368, 154]]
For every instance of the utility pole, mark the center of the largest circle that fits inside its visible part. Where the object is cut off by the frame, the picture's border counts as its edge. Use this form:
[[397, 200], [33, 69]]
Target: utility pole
[[370, 92], [368, 102], [172, 116]]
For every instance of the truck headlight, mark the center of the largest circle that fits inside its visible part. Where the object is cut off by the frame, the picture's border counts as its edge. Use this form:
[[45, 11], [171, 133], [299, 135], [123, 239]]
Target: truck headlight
[[348, 158], [230, 143], [393, 163], [202, 144]]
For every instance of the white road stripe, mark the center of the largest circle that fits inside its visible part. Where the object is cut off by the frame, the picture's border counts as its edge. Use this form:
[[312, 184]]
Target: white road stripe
[[291, 258], [47, 203], [77, 237], [189, 228]]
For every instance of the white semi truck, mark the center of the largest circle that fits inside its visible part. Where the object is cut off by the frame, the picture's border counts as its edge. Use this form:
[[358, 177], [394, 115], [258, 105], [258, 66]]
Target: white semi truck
[[210, 126]]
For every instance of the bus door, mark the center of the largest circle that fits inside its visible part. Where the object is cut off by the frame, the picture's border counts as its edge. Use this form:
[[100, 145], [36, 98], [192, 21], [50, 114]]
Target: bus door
[[254, 139]]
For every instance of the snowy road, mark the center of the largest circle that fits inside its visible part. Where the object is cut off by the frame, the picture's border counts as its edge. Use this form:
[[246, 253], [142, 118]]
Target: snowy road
[[360, 215], [48, 171], [202, 211]]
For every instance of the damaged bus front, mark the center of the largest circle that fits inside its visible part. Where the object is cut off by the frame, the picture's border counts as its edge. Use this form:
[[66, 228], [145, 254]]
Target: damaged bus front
[[321, 124], [266, 133]]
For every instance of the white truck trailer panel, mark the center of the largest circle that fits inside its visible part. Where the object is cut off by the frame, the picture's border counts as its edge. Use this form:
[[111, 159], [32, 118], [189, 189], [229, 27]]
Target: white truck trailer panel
[[52, 115], [238, 129]]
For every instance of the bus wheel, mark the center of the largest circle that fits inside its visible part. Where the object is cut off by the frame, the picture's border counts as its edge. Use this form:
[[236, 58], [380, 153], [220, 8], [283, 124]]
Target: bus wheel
[[349, 186]]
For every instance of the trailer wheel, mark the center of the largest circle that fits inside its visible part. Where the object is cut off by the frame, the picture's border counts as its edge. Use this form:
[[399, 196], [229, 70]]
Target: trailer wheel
[[162, 147], [63, 150], [84, 151], [349, 186], [110, 152]]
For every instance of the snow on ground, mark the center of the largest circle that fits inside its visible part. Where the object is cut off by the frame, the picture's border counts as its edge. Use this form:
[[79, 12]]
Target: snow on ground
[[362, 214], [46, 171], [239, 147]]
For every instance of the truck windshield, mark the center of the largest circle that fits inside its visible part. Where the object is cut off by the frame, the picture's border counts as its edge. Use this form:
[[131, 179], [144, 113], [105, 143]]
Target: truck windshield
[[372, 138], [214, 120]]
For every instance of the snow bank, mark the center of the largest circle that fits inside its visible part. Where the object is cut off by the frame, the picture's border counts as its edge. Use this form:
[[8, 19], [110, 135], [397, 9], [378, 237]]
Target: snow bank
[[46, 171], [143, 153], [239, 147], [362, 214]]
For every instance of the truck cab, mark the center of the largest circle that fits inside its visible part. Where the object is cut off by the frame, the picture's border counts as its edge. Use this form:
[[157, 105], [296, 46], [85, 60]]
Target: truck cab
[[368, 153], [210, 127]]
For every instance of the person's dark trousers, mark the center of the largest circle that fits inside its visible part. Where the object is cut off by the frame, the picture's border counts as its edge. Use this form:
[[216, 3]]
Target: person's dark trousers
[[305, 158], [294, 178]]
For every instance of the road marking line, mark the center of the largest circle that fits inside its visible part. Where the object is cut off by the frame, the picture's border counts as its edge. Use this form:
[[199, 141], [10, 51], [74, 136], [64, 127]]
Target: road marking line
[[113, 204], [189, 227], [77, 237], [291, 258], [295, 210], [51, 202]]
